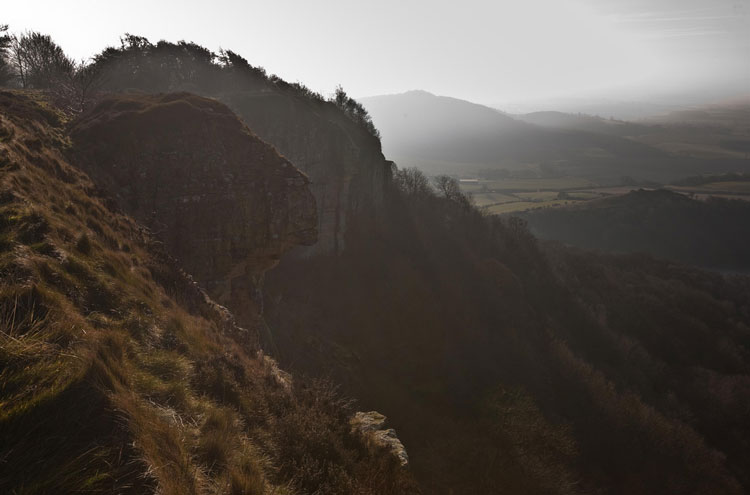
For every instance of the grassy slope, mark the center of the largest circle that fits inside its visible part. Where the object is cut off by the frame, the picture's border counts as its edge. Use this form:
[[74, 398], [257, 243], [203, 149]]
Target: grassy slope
[[117, 376]]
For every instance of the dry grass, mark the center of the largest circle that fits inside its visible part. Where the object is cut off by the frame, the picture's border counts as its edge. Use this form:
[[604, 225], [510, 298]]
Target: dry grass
[[111, 383]]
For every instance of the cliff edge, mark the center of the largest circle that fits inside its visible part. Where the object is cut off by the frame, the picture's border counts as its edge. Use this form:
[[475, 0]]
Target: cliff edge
[[224, 202]]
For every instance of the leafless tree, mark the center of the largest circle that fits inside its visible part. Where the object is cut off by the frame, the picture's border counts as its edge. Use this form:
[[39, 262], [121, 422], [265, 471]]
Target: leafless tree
[[450, 189], [5, 42], [39, 62], [87, 81], [412, 181], [447, 186]]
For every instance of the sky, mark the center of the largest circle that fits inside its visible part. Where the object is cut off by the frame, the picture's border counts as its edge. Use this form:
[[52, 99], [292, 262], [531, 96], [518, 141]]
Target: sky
[[482, 51]]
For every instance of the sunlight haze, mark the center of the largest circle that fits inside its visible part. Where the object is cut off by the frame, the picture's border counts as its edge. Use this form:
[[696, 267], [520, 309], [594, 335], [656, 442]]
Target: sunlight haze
[[487, 52]]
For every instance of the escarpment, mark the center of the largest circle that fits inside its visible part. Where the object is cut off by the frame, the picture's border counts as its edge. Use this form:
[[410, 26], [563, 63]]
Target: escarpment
[[347, 170], [343, 159], [117, 373], [224, 202]]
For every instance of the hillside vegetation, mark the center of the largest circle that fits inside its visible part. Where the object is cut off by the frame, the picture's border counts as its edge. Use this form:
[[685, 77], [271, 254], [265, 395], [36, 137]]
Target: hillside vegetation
[[447, 135], [505, 364], [119, 375], [509, 365], [711, 233]]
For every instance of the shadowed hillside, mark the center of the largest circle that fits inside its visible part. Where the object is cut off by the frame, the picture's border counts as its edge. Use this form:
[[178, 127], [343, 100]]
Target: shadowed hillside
[[118, 374], [587, 123], [711, 233], [506, 365]]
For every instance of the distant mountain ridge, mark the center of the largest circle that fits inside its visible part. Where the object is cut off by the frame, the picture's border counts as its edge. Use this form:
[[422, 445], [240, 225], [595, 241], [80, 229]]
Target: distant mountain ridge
[[446, 135], [420, 126], [584, 122]]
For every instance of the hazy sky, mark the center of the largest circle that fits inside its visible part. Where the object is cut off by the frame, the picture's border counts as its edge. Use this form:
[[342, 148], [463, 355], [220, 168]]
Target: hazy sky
[[484, 51]]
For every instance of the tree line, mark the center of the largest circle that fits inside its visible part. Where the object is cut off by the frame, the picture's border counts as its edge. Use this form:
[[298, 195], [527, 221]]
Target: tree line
[[32, 60]]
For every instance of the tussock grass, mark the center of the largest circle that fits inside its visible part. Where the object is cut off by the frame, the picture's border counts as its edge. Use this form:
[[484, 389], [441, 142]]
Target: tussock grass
[[110, 382]]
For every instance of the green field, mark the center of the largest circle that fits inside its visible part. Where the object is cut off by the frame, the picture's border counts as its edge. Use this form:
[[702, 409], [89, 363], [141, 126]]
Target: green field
[[519, 194], [539, 195], [516, 195], [527, 185], [519, 206], [737, 187], [723, 189], [493, 198]]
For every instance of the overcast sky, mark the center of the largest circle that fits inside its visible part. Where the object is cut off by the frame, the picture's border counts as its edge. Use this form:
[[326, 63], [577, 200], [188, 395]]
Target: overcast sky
[[484, 51]]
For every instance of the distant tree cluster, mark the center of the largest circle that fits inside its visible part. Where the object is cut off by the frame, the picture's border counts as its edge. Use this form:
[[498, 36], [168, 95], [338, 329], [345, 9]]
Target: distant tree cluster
[[354, 110], [711, 233], [449, 188], [699, 180], [412, 182], [185, 66], [39, 62], [5, 43], [33, 60], [233, 61]]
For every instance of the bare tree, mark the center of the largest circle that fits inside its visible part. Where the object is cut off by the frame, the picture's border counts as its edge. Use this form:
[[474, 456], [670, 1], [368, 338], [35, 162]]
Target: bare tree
[[87, 81], [17, 64], [449, 188], [39, 62], [412, 182], [354, 110], [6, 40]]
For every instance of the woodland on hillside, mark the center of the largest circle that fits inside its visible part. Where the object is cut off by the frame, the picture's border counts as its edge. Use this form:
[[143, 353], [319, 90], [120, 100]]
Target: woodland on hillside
[[594, 372], [708, 233]]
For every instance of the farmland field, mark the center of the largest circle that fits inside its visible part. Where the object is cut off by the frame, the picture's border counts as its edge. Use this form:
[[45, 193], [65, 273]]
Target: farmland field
[[501, 196]]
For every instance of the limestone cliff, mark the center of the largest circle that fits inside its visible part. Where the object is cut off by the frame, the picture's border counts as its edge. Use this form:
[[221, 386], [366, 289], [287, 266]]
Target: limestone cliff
[[222, 200], [347, 170], [117, 373], [343, 160]]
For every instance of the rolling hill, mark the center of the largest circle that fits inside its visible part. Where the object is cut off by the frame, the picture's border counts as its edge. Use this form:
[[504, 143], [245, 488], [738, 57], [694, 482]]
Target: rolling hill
[[447, 135]]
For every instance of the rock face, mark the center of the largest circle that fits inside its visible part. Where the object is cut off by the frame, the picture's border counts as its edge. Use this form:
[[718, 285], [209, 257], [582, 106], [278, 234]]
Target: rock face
[[224, 202], [345, 164], [371, 426]]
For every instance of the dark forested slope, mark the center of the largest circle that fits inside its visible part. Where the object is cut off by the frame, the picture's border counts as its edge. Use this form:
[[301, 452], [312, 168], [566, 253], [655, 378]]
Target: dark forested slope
[[508, 366], [712, 233]]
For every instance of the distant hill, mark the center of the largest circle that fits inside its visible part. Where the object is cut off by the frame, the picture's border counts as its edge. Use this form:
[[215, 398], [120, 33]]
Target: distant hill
[[421, 125], [442, 134], [606, 108], [585, 122], [733, 114], [447, 135]]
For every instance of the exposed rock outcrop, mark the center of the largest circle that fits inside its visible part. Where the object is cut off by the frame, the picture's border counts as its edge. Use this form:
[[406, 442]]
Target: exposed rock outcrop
[[222, 200], [347, 170], [342, 157], [118, 374]]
